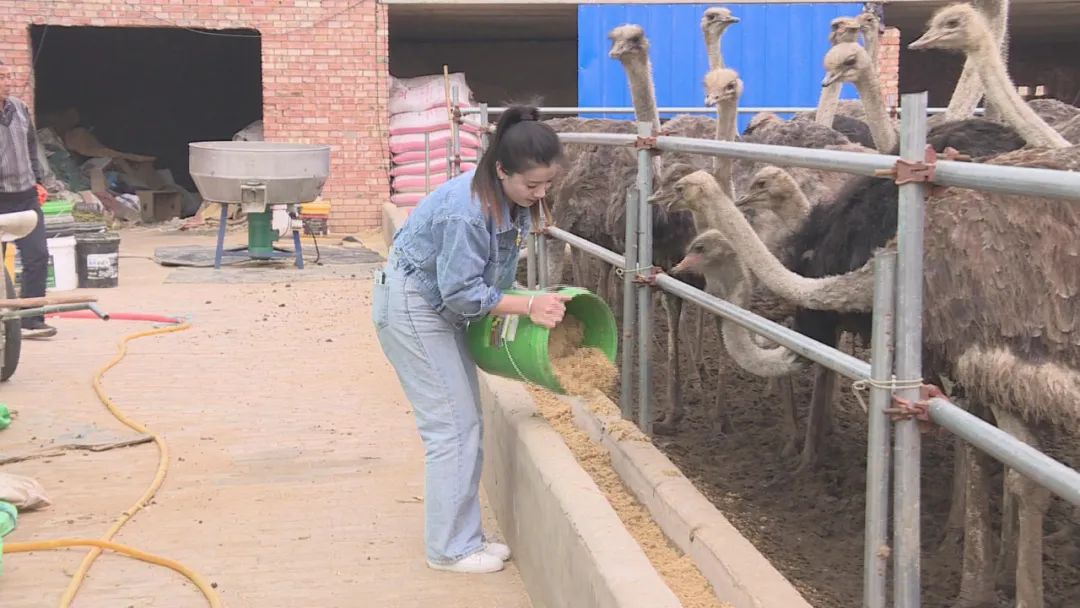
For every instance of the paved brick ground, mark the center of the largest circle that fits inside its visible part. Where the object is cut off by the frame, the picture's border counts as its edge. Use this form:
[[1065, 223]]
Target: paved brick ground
[[294, 456]]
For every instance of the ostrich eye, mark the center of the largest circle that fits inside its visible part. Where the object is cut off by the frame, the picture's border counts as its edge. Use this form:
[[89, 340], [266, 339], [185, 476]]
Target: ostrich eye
[[952, 23], [759, 184], [849, 61]]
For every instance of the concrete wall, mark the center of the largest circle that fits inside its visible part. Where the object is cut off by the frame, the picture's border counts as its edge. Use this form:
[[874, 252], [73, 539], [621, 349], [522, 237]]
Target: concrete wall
[[324, 75]]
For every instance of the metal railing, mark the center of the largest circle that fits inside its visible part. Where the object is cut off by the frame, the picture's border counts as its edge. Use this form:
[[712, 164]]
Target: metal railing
[[898, 295], [565, 110]]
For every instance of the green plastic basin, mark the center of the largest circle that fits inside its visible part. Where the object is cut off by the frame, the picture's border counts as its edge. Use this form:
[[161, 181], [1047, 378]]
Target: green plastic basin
[[525, 358]]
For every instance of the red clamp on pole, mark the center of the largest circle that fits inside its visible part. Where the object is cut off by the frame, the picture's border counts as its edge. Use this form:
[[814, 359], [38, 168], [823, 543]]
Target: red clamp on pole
[[917, 410], [908, 171], [647, 276], [645, 143]]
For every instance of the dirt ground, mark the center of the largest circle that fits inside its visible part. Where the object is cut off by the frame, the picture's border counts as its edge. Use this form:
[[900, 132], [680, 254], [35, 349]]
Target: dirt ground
[[295, 466], [811, 526]]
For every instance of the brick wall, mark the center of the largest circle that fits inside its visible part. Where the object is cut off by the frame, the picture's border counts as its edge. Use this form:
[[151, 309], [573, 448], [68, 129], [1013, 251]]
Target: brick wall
[[889, 66], [324, 75]]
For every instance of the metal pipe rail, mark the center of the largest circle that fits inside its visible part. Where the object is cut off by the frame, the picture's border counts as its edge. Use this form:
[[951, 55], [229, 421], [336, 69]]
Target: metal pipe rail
[[674, 110], [1025, 181], [1033, 464], [831, 358]]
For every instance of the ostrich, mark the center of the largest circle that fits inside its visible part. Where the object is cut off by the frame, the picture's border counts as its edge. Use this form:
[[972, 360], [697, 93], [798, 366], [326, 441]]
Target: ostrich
[[843, 29], [849, 62], [714, 23], [594, 192], [775, 206], [870, 26], [847, 30], [969, 88], [964, 25], [711, 255], [974, 330]]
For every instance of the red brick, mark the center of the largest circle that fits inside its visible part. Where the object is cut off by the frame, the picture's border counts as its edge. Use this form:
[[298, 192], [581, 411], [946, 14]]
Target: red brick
[[310, 87]]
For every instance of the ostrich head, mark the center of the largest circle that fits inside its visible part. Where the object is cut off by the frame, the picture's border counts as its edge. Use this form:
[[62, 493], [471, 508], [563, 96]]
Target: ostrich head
[[845, 62], [691, 191], [722, 85], [773, 189], [628, 43], [708, 248], [716, 20], [958, 27], [762, 120], [869, 22], [844, 29], [668, 197]]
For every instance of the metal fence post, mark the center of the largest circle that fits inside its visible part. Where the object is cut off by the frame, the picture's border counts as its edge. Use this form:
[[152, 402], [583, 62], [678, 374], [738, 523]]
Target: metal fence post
[[626, 392], [875, 558], [455, 135], [449, 159], [530, 259], [484, 135], [909, 309], [541, 255], [644, 261]]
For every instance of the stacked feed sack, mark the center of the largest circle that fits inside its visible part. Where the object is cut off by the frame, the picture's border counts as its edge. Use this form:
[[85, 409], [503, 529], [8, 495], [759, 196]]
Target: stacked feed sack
[[418, 106]]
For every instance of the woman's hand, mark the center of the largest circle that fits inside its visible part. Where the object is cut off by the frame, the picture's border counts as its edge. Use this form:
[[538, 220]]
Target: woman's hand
[[547, 309]]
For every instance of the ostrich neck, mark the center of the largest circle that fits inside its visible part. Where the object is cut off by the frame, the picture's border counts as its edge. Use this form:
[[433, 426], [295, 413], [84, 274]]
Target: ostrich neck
[[727, 128], [643, 92], [878, 119], [966, 95], [712, 48], [732, 282], [828, 103], [705, 217], [1000, 92], [969, 88], [872, 38], [850, 292]]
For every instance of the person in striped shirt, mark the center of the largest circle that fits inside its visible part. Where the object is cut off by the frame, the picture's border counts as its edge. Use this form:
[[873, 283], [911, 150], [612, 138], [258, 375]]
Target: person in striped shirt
[[20, 173]]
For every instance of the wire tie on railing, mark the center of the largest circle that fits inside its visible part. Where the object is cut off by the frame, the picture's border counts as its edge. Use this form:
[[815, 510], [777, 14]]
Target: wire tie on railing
[[645, 275], [890, 385]]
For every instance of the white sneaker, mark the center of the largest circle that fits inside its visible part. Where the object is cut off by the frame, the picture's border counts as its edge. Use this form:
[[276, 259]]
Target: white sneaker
[[499, 550], [480, 562]]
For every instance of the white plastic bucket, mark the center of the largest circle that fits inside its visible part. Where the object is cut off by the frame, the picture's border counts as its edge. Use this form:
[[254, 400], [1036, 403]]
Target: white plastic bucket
[[62, 264]]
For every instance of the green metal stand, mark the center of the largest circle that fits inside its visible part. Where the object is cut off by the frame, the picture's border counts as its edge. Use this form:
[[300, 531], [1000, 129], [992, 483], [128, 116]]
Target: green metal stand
[[261, 236]]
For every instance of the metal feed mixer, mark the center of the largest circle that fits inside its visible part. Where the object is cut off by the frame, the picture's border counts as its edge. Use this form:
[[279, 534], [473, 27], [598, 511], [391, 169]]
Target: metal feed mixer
[[257, 175]]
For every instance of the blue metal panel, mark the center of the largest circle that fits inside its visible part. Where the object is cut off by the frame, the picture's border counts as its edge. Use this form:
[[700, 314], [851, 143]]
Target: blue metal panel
[[776, 48]]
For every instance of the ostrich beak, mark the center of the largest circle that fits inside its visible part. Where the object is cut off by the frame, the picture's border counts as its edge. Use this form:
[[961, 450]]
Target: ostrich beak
[[661, 198], [925, 42], [711, 100], [731, 19], [830, 78], [689, 262]]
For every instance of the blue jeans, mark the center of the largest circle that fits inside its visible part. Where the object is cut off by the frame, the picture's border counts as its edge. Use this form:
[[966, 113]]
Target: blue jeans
[[439, 378]]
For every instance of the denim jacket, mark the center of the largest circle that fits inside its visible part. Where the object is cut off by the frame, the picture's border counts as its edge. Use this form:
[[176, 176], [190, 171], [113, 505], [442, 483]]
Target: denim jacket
[[461, 259]]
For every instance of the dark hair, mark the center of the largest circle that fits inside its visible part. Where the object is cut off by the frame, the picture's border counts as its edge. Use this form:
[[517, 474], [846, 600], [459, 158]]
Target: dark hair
[[521, 142]]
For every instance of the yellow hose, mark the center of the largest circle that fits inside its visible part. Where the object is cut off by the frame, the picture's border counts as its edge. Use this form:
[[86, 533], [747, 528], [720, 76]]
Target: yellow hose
[[47, 545], [159, 478]]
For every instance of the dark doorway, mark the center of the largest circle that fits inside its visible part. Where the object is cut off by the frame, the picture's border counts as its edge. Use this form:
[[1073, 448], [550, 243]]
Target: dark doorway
[[149, 90]]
